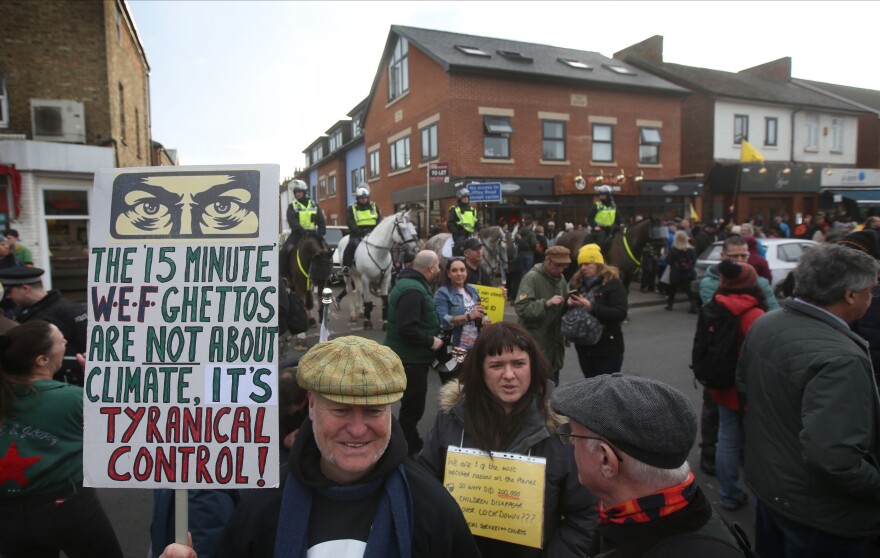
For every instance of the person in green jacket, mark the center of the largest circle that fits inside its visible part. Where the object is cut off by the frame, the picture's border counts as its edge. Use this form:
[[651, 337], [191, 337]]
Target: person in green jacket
[[540, 303]]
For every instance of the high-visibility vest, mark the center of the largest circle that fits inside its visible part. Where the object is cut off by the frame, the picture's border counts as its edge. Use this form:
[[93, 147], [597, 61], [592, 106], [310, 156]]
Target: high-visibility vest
[[365, 217], [467, 219], [606, 214], [307, 213]]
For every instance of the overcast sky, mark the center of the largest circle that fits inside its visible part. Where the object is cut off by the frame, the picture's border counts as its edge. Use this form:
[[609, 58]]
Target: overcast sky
[[257, 82]]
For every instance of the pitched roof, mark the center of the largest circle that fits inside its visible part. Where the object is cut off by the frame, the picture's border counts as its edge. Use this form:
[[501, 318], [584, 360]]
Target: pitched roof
[[741, 85], [534, 61], [866, 99]]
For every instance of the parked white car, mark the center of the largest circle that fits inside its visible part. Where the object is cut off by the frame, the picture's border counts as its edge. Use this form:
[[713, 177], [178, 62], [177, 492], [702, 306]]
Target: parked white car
[[782, 256]]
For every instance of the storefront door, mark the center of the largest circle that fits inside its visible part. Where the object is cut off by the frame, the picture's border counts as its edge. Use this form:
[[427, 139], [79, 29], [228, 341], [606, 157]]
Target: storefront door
[[66, 213]]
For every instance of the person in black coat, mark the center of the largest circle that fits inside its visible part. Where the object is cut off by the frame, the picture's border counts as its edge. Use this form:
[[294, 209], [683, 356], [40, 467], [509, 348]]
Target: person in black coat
[[681, 261], [598, 287]]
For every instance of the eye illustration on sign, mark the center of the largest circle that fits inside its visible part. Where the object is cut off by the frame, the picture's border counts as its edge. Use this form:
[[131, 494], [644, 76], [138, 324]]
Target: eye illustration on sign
[[185, 205]]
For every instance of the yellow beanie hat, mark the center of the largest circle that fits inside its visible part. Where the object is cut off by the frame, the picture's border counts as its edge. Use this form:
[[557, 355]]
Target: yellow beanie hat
[[590, 254]]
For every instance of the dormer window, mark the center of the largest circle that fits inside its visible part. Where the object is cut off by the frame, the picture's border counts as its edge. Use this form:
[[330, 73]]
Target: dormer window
[[622, 70], [515, 56], [335, 140], [575, 64], [472, 51]]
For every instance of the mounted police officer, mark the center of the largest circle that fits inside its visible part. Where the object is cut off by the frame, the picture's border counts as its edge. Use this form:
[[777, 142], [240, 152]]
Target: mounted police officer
[[603, 217], [362, 217], [462, 220], [303, 215]]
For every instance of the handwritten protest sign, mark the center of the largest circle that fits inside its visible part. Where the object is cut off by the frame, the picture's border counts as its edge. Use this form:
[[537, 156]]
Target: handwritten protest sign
[[181, 369], [492, 301], [501, 498]]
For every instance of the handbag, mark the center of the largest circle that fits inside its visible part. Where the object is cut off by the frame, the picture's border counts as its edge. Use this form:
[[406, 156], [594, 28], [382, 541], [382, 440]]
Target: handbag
[[448, 358], [581, 327]]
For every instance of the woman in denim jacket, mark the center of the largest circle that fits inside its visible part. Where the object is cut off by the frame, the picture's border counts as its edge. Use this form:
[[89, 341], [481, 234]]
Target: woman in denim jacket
[[458, 305]]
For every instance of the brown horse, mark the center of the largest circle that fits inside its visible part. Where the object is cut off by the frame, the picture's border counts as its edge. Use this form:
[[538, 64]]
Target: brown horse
[[309, 266]]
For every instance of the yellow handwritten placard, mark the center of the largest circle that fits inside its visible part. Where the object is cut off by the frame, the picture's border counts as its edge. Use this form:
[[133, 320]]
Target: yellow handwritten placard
[[501, 498], [492, 301]]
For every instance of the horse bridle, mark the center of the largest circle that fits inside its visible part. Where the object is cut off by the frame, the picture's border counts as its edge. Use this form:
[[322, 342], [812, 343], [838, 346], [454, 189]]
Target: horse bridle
[[406, 241], [500, 259]]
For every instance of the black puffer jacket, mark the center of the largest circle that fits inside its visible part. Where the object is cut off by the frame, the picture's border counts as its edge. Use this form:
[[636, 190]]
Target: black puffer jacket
[[569, 508], [611, 306]]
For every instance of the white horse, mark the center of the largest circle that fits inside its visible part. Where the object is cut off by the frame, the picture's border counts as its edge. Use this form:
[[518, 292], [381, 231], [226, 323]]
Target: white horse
[[495, 244], [370, 276]]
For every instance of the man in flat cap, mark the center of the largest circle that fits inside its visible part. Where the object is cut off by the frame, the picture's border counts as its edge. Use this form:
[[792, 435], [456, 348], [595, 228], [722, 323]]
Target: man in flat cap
[[812, 427], [631, 438], [23, 287], [349, 488], [541, 302]]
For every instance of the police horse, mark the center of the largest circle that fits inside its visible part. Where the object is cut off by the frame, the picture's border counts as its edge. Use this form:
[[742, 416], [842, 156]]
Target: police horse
[[309, 265], [495, 244], [370, 276]]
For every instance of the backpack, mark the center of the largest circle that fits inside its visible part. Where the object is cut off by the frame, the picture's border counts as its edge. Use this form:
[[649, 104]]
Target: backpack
[[685, 261], [292, 313], [715, 351]]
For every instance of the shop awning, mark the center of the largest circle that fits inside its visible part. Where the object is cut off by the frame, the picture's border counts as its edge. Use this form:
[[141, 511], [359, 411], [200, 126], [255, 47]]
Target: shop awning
[[861, 197]]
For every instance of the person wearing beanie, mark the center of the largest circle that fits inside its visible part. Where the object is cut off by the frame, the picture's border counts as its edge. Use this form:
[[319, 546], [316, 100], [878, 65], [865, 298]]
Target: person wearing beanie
[[598, 287], [631, 438], [739, 294], [349, 483], [812, 428]]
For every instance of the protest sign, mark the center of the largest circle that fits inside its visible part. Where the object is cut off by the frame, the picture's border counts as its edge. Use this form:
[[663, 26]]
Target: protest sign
[[493, 302], [181, 368], [501, 498]]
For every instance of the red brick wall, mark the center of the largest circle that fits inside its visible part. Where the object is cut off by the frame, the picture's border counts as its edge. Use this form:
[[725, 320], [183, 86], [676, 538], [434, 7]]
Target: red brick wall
[[456, 97], [333, 205], [698, 117], [868, 155], [68, 50]]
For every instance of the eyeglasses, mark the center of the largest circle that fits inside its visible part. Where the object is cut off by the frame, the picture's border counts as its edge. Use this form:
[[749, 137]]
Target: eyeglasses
[[563, 431]]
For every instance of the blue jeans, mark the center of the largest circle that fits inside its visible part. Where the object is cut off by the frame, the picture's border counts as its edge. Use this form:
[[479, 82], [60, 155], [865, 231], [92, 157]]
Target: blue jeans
[[527, 261], [730, 443], [779, 537]]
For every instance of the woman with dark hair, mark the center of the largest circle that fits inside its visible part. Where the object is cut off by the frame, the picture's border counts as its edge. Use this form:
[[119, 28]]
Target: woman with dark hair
[[44, 508], [501, 404], [458, 305], [598, 287], [738, 292]]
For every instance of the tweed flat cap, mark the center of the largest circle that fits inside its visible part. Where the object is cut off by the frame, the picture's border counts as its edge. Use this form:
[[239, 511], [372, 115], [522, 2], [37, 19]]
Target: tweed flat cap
[[354, 371], [649, 420], [558, 255]]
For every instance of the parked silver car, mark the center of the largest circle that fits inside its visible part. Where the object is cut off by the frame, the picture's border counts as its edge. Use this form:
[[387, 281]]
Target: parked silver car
[[782, 256]]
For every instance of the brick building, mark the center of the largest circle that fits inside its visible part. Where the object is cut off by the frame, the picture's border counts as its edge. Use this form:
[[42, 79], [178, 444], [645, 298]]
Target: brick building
[[533, 117], [74, 97]]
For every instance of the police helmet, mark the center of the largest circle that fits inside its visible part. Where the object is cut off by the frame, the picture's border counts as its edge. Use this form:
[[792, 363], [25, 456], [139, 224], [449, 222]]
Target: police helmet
[[463, 193], [604, 190], [300, 186], [362, 191]]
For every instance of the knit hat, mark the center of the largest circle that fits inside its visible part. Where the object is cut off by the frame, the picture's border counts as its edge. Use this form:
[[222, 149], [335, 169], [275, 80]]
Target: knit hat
[[647, 419], [736, 276], [558, 255], [864, 240], [470, 244], [353, 371], [569, 226], [590, 253]]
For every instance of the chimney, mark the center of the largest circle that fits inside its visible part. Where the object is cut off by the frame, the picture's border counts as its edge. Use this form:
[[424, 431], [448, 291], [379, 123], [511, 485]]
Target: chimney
[[650, 50], [778, 69]]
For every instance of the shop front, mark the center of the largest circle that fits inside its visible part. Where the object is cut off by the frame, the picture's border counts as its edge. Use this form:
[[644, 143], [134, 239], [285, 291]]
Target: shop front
[[854, 192]]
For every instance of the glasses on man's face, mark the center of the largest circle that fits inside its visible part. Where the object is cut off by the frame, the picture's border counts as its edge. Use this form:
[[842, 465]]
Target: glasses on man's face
[[563, 431]]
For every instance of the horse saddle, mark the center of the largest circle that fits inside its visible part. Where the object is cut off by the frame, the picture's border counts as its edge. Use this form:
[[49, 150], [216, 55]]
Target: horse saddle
[[446, 250]]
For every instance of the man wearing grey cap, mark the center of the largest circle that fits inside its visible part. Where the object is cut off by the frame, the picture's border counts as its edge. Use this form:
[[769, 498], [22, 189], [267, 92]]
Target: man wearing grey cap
[[23, 287], [631, 438], [348, 488]]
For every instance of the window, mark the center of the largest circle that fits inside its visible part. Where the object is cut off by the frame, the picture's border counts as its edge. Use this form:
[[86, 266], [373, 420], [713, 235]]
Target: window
[[649, 146], [322, 188], [553, 147], [812, 132], [575, 64], [622, 70], [335, 141], [515, 56], [473, 51], [4, 104], [740, 128], [356, 127], [331, 185], [496, 141], [398, 71], [374, 164], [771, 127], [603, 142], [118, 25], [837, 134], [429, 143], [399, 155], [121, 113], [317, 153], [357, 176]]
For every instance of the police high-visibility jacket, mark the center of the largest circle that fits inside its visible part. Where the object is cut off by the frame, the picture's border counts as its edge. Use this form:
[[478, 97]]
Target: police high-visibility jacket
[[467, 219], [307, 213], [365, 217], [606, 215]]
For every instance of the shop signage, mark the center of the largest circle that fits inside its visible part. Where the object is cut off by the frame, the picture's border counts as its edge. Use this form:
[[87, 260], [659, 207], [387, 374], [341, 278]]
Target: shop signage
[[438, 173], [485, 191], [850, 178]]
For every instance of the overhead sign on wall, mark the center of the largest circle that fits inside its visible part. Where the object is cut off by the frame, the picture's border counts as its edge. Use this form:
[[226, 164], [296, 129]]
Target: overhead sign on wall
[[484, 191], [850, 178]]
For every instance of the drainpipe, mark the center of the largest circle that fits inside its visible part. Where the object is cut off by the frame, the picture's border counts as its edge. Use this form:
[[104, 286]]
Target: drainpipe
[[799, 109]]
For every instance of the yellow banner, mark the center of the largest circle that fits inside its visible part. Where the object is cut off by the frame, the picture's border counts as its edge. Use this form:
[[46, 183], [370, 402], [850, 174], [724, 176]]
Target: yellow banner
[[501, 497], [492, 301]]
